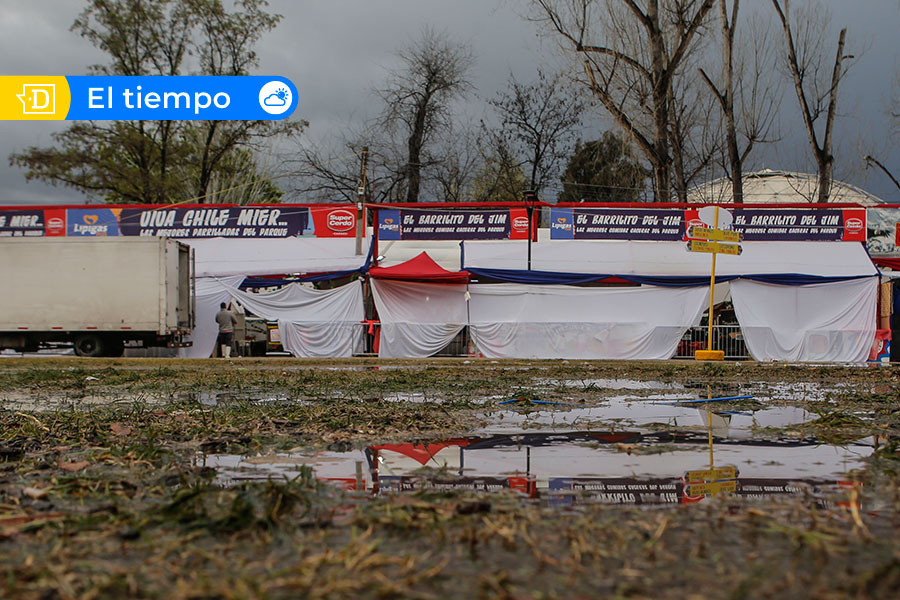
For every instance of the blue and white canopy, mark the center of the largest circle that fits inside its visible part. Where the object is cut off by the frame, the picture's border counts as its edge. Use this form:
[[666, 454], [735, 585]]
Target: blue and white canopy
[[666, 263]]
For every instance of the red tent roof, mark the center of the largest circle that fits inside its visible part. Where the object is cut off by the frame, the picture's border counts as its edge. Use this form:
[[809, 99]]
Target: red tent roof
[[885, 261], [420, 268]]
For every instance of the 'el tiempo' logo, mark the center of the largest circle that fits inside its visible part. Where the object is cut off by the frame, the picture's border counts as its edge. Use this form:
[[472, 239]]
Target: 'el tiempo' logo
[[38, 98]]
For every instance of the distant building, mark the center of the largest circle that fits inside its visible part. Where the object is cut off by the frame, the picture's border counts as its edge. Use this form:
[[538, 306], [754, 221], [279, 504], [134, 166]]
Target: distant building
[[769, 187]]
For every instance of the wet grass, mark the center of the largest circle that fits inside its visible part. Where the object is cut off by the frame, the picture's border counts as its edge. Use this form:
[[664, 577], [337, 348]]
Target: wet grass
[[103, 499]]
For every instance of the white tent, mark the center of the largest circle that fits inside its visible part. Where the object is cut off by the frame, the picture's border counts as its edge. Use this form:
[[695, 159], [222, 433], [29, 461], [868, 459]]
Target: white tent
[[797, 301], [314, 323], [652, 258]]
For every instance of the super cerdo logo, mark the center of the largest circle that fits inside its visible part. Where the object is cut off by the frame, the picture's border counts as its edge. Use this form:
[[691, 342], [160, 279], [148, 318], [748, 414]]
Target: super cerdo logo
[[340, 220], [520, 224], [56, 225], [853, 225]]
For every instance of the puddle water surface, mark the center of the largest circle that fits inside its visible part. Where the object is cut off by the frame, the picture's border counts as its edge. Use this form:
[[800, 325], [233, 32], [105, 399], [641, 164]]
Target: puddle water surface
[[628, 464]]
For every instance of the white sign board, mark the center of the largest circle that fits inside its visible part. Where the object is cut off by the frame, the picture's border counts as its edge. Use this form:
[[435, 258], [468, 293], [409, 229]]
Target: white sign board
[[707, 214]]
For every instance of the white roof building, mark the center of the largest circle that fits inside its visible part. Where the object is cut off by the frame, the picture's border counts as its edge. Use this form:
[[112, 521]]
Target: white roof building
[[771, 187]]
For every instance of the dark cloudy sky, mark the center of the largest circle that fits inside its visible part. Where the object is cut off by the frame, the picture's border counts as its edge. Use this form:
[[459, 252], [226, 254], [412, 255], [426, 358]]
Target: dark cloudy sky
[[337, 51]]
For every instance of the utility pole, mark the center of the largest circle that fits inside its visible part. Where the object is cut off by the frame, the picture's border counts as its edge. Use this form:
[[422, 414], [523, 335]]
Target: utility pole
[[361, 199], [530, 198]]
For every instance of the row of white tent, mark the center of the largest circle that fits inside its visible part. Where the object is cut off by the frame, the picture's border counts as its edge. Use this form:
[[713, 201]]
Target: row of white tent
[[795, 301]]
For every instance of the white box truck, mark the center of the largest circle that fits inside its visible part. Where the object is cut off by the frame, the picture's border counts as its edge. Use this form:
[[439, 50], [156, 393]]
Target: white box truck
[[96, 293]]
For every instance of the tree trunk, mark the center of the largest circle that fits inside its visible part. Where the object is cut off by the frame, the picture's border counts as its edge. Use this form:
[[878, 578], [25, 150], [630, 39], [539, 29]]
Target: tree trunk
[[661, 88], [734, 155], [205, 167], [822, 153], [414, 148], [826, 160]]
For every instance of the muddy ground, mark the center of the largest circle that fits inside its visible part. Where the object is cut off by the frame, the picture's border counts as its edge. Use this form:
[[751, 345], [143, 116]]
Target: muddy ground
[[106, 488]]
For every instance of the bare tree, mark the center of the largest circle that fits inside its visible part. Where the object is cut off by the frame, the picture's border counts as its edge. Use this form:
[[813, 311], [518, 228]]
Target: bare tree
[[744, 93], [694, 129], [419, 95], [499, 177], [536, 123], [451, 177], [226, 47], [816, 93], [333, 175], [631, 65]]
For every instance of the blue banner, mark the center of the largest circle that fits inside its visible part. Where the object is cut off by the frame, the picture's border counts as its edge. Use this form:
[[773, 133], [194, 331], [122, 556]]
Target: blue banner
[[216, 221], [453, 224], [246, 98], [16, 223], [616, 224], [92, 222]]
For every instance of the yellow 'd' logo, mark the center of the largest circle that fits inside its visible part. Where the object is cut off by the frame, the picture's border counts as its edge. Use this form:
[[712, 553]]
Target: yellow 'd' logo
[[33, 98]]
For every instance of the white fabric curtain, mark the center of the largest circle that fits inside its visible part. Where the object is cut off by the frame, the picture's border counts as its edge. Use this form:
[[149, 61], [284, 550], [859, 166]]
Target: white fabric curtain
[[553, 321], [210, 292], [623, 257], [418, 319], [828, 322], [313, 323]]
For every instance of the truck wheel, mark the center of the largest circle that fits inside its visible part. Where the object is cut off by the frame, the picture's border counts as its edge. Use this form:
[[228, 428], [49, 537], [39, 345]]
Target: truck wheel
[[89, 345]]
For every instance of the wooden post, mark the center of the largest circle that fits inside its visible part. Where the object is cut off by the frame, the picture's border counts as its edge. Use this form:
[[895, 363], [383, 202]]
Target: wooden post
[[361, 200]]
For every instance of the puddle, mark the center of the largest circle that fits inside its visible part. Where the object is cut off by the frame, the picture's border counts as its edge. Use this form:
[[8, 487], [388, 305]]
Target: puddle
[[218, 398], [810, 392], [625, 465], [656, 410], [612, 384]]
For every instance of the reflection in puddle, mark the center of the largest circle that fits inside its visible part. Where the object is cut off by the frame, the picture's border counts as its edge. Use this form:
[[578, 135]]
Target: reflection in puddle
[[626, 412], [614, 384], [630, 465], [223, 398]]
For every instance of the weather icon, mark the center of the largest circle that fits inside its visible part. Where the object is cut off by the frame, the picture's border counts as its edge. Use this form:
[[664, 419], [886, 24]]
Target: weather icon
[[275, 98], [279, 98]]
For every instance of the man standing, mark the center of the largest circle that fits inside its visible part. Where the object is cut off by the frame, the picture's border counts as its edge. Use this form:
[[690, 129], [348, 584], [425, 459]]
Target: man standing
[[226, 321]]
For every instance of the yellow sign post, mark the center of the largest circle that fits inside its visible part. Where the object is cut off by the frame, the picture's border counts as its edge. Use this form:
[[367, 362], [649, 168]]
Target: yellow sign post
[[711, 474], [711, 488], [713, 241], [713, 480], [719, 235], [717, 247]]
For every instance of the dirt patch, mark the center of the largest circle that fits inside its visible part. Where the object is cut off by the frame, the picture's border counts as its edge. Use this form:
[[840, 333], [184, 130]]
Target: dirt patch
[[110, 485]]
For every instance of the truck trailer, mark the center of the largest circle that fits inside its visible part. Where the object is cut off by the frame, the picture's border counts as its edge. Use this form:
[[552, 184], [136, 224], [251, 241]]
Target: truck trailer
[[96, 293]]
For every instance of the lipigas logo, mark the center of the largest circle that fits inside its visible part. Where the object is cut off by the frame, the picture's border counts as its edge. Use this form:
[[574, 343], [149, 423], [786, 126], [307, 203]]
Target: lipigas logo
[[388, 224], [91, 226], [562, 223]]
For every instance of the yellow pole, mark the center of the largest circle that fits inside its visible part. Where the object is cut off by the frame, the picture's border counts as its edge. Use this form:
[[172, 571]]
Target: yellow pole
[[709, 353], [712, 288], [709, 426]]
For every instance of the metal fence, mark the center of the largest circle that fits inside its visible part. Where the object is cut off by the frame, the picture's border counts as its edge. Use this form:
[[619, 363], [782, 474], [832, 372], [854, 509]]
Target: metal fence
[[727, 338]]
